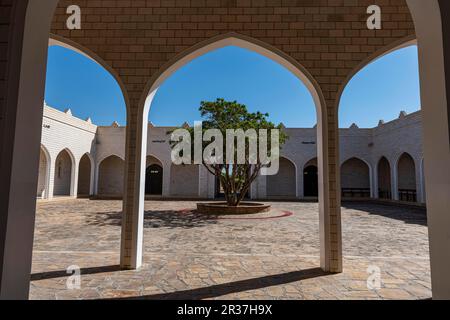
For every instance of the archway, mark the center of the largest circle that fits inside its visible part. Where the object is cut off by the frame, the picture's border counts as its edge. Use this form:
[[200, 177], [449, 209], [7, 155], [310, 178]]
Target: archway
[[154, 177], [94, 89], [331, 259], [355, 179], [406, 178], [283, 185], [84, 176], [184, 181], [111, 177], [64, 165], [384, 179], [44, 168], [427, 19], [311, 179]]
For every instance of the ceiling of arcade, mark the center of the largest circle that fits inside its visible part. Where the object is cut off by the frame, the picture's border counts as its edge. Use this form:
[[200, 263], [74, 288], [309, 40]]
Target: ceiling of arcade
[[330, 38]]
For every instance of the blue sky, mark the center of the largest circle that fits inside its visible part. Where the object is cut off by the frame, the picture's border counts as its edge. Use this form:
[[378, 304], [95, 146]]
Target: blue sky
[[379, 91]]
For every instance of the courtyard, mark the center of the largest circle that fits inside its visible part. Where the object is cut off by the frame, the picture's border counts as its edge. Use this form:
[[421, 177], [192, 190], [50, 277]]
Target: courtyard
[[268, 256]]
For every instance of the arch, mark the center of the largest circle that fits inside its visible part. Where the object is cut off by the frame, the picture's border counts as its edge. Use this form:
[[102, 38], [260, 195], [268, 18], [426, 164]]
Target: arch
[[154, 176], [311, 179], [64, 173], [238, 40], [151, 159], [44, 173], [406, 178], [85, 172], [384, 179], [111, 176], [242, 41], [394, 46], [56, 40], [355, 178], [103, 158], [283, 185]]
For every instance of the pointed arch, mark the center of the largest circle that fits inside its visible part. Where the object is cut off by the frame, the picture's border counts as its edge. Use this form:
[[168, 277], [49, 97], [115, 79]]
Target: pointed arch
[[110, 181], [283, 185], [406, 178], [356, 178], [394, 46], [154, 176], [238, 40], [151, 159], [85, 175], [56, 40], [311, 178], [65, 168]]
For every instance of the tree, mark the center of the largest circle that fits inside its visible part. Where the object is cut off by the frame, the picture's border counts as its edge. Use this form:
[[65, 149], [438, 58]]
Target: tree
[[236, 177]]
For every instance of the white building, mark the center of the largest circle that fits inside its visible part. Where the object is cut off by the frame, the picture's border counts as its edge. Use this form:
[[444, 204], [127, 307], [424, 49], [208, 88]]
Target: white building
[[79, 158]]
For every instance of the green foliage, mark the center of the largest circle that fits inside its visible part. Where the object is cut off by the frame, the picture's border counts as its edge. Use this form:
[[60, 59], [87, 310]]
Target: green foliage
[[225, 115]]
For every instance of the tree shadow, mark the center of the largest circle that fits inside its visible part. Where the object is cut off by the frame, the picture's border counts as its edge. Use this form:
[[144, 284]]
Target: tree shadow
[[169, 219], [235, 287], [407, 214]]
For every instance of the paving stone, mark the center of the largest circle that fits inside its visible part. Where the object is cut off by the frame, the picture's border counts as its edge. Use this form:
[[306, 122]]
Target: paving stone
[[229, 259]]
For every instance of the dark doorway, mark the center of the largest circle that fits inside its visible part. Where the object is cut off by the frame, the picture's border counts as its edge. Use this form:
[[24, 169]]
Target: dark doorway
[[84, 177], [154, 180], [311, 181]]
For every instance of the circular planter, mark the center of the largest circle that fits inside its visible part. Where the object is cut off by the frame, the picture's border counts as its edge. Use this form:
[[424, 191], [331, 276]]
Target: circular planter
[[221, 208]]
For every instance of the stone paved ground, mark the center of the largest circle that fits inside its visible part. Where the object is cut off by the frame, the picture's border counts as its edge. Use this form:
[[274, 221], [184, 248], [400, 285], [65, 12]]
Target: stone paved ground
[[260, 257]]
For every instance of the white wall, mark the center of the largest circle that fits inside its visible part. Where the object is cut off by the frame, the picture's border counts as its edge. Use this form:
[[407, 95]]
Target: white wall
[[184, 181], [62, 131], [390, 140]]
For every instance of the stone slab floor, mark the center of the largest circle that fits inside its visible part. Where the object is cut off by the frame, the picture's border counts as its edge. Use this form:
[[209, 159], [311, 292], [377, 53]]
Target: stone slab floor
[[269, 256]]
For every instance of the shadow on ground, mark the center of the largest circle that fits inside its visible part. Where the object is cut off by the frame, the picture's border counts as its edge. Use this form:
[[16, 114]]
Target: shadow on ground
[[236, 287], [169, 219], [63, 273], [417, 216]]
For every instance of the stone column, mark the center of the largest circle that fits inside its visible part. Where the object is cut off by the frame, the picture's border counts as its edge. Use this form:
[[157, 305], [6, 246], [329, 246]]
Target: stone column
[[46, 194], [376, 187], [92, 185], [433, 34], [166, 178], [134, 190], [95, 181], [300, 182], [329, 191], [51, 178], [394, 178], [25, 46], [372, 182], [74, 182]]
